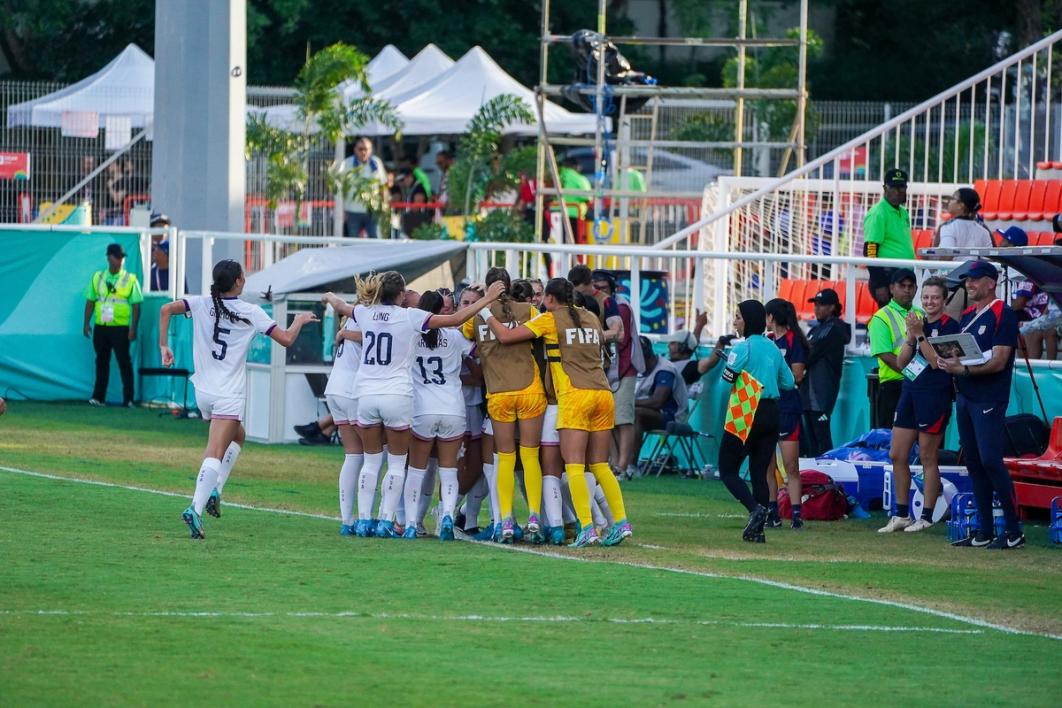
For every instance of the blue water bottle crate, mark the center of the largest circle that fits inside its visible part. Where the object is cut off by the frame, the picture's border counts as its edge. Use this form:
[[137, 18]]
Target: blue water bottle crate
[[1056, 520], [963, 521]]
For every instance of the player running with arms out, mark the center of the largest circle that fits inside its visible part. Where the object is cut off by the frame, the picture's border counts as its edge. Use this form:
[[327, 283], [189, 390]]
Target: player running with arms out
[[438, 416], [515, 397], [585, 409], [385, 387], [223, 327]]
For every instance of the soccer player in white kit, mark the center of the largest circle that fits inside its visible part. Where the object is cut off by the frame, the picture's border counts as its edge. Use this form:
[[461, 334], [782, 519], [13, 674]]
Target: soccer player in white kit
[[385, 388], [438, 416], [223, 327]]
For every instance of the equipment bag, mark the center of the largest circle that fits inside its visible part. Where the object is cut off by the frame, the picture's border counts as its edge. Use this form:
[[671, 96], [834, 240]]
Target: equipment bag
[[1024, 435], [822, 499]]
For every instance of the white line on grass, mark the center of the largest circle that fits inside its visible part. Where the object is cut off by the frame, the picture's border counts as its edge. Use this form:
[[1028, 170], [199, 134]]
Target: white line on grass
[[697, 515], [546, 619], [630, 564]]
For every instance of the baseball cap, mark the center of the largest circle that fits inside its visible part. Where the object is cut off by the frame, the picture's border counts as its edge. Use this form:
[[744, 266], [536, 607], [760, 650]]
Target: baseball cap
[[895, 177], [115, 249], [827, 296], [901, 274], [685, 338], [157, 217], [1015, 236], [982, 269]]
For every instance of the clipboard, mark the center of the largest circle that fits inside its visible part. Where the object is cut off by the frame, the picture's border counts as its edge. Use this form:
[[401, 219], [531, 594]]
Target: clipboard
[[962, 345]]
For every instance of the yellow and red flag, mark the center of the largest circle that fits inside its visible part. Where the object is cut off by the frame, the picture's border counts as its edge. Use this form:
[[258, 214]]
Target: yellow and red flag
[[741, 408]]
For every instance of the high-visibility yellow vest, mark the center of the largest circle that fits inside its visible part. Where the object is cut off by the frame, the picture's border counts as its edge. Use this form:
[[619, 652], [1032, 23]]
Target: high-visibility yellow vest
[[113, 308]]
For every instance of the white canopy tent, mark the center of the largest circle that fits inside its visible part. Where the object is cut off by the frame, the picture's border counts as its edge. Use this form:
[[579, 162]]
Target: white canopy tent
[[426, 66], [125, 87], [320, 269]]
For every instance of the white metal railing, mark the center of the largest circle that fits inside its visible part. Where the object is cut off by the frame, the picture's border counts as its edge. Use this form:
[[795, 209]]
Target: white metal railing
[[994, 125]]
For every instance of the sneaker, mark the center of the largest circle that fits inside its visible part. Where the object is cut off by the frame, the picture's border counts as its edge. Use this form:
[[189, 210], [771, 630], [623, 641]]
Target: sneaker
[[213, 505], [399, 527], [422, 531], [797, 524], [347, 530], [507, 531], [497, 537], [386, 529], [307, 430], [194, 522], [484, 534], [446, 529], [317, 439], [518, 532], [533, 523], [556, 536], [459, 520], [410, 532], [896, 523], [620, 531], [363, 528], [755, 538], [535, 531], [96, 402], [920, 525], [586, 537], [774, 521], [1007, 541], [754, 527], [973, 541]]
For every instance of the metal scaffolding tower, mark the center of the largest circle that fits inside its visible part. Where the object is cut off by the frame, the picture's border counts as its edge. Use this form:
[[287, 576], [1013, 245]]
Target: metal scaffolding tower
[[618, 196]]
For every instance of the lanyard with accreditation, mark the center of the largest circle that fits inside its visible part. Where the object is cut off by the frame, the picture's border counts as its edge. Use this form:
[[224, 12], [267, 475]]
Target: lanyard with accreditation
[[106, 294]]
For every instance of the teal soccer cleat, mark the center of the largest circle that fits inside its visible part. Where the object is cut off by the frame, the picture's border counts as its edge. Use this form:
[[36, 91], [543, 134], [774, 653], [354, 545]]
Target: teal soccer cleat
[[587, 537], [446, 529], [213, 505], [620, 531], [194, 522]]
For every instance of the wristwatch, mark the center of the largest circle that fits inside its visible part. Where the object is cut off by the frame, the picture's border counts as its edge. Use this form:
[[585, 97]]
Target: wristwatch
[[919, 339]]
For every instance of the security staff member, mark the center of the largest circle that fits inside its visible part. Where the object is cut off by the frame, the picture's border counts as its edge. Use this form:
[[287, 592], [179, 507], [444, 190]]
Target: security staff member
[[887, 233], [113, 299]]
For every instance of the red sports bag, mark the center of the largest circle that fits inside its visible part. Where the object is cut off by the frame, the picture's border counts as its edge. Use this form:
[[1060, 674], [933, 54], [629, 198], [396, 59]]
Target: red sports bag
[[823, 499]]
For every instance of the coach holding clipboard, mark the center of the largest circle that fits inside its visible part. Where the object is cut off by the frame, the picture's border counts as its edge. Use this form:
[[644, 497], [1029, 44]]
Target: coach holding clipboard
[[981, 406]]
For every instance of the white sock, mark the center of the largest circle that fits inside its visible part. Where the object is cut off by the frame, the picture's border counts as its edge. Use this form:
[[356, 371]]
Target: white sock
[[491, 473], [448, 490], [228, 461], [348, 484], [393, 486], [370, 473], [474, 502], [602, 503], [599, 516], [567, 510], [412, 493], [427, 489], [205, 482], [552, 500]]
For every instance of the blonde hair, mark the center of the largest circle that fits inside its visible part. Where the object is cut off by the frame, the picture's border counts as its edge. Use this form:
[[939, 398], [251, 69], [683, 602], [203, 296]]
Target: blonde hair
[[379, 288]]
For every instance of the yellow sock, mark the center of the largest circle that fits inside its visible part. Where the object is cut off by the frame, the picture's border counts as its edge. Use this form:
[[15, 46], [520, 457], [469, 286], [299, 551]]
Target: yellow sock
[[532, 478], [580, 494], [506, 483], [611, 488]]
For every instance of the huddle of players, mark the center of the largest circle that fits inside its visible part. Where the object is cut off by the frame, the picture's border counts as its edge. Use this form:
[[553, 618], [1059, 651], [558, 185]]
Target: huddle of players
[[409, 382]]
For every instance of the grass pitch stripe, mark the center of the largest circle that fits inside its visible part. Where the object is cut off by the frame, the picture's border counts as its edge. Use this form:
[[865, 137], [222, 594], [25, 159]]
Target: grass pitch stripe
[[546, 619], [977, 622]]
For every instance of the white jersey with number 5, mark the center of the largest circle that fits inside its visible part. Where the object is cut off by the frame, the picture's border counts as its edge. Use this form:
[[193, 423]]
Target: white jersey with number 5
[[221, 357], [345, 365], [387, 334], [437, 374]]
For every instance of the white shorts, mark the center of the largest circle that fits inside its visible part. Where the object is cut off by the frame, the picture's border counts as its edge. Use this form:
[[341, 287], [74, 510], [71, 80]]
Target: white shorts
[[550, 436], [431, 426], [474, 421], [344, 410], [488, 429], [213, 407], [395, 412]]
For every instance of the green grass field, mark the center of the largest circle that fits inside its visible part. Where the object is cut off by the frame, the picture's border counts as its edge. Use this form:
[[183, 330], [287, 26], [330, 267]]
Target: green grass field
[[104, 599]]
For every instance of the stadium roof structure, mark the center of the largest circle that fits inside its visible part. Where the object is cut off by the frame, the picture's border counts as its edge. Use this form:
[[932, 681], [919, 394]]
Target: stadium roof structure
[[124, 87], [323, 269]]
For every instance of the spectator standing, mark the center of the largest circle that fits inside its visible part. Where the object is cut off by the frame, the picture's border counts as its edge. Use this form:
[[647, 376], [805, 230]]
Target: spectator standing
[[887, 233], [888, 331], [924, 409], [981, 405], [575, 206], [364, 164], [112, 299], [411, 192], [827, 338], [159, 277], [963, 230], [444, 160]]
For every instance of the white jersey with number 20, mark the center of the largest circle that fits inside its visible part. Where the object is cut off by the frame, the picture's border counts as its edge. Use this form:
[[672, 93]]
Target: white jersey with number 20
[[388, 333], [221, 357]]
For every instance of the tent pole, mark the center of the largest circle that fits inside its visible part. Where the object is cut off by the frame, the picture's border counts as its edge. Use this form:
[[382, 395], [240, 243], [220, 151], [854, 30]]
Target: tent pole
[[89, 177]]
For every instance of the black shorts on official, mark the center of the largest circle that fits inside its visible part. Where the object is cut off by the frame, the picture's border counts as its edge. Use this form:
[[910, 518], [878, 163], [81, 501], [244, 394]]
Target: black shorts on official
[[789, 426], [924, 411]]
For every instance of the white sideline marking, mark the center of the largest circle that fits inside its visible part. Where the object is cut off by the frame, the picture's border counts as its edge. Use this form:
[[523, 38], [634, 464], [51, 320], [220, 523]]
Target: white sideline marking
[[697, 515], [630, 564], [556, 619]]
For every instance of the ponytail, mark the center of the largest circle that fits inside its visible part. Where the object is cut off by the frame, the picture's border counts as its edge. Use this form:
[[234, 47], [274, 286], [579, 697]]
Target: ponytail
[[432, 302], [367, 289], [225, 275], [562, 290], [494, 275]]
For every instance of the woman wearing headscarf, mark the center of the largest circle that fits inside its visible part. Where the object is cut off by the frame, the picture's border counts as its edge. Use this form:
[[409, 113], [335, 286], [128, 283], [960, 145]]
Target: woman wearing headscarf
[[759, 374]]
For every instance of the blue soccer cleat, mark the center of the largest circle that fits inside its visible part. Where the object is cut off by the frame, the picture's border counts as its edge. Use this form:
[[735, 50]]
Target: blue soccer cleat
[[587, 537], [194, 522], [386, 529], [213, 505], [556, 535], [347, 530], [446, 529], [485, 534], [363, 528], [518, 532], [410, 532], [620, 531]]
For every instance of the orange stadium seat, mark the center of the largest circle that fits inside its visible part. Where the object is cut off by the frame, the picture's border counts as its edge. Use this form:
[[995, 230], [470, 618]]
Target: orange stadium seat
[[1052, 201], [989, 191], [785, 289], [1034, 204], [865, 305], [922, 239], [1008, 190]]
